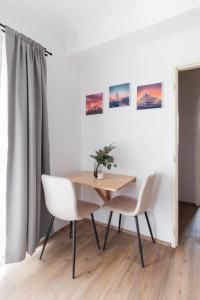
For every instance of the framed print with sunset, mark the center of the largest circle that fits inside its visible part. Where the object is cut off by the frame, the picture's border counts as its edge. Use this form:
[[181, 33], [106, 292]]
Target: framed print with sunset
[[119, 95], [94, 104], [149, 96]]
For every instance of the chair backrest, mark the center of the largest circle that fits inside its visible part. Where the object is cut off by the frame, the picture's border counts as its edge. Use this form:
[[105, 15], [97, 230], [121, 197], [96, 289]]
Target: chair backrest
[[60, 197], [145, 194]]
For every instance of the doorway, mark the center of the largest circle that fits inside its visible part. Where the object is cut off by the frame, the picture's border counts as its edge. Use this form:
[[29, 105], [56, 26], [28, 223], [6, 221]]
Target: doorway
[[188, 164]]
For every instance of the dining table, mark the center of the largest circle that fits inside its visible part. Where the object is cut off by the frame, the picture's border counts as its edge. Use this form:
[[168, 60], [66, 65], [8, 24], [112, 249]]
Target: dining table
[[104, 187]]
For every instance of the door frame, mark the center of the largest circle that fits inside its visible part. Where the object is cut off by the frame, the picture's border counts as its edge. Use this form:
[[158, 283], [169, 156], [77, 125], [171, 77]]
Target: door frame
[[175, 207]]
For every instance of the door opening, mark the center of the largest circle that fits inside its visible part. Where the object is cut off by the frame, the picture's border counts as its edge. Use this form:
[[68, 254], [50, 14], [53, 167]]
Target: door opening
[[187, 158]]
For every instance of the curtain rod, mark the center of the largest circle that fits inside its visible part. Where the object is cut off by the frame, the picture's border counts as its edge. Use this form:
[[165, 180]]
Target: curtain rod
[[46, 51]]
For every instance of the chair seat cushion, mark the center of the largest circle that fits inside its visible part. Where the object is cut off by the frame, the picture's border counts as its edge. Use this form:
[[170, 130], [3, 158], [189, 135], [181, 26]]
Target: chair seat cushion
[[122, 204], [85, 209]]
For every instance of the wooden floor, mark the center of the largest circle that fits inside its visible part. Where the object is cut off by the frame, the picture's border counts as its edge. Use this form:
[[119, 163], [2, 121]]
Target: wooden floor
[[114, 274]]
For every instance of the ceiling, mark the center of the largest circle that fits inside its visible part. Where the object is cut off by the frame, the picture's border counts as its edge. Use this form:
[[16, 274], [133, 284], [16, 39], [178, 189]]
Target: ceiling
[[81, 24]]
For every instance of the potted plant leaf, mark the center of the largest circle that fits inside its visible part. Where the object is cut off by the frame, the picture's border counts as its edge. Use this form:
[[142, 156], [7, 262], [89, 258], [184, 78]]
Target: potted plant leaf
[[103, 159]]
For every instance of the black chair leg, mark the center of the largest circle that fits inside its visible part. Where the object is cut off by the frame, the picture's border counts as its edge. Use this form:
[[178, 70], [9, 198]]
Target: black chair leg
[[74, 249], [139, 241], [148, 223], [120, 219], [95, 231], [70, 234], [47, 236], [107, 230]]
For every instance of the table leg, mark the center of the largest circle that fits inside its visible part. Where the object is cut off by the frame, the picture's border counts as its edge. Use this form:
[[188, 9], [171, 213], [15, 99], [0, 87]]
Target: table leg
[[108, 195], [104, 195]]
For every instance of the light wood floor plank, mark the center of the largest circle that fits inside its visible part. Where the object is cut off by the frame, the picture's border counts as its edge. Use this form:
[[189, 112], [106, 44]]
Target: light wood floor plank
[[170, 274]]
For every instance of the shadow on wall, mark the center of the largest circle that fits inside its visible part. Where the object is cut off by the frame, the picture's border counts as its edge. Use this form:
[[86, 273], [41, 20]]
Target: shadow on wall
[[155, 191], [153, 200], [154, 197]]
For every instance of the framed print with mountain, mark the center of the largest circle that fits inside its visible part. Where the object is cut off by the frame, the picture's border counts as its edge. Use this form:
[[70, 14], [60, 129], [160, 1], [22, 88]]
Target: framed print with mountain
[[119, 95], [149, 96], [94, 104]]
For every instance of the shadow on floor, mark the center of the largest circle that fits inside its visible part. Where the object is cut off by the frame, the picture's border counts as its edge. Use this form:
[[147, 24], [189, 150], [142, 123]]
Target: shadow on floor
[[189, 219]]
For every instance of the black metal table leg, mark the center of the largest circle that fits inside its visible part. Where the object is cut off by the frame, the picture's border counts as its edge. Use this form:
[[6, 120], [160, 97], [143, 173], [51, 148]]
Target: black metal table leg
[[148, 223], [120, 219], [107, 230], [47, 236], [95, 231], [139, 241], [74, 250]]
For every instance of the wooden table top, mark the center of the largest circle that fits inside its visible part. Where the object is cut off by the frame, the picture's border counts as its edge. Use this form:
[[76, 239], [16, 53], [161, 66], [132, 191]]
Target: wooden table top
[[111, 182]]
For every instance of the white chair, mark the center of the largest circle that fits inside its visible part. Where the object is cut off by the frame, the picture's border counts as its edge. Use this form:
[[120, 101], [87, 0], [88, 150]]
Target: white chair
[[132, 207], [61, 202]]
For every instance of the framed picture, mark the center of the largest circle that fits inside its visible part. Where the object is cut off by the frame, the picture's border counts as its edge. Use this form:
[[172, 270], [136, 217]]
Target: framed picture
[[94, 104], [119, 95], [149, 96]]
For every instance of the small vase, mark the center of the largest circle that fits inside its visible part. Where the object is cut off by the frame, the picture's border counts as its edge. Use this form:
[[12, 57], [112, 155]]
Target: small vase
[[98, 171]]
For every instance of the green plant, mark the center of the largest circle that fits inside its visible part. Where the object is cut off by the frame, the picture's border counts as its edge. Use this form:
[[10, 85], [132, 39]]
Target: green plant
[[104, 158]]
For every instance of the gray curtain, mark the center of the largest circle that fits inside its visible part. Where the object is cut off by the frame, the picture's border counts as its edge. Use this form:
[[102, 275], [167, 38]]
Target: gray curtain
[[28, 145]]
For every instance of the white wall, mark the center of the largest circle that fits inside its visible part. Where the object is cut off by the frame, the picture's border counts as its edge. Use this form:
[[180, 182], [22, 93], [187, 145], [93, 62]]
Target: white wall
[[189, 96], [145, 139], [64, 116]]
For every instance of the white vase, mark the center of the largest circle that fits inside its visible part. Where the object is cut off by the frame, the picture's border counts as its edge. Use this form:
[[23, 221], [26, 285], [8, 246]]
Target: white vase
[[98, 171], [100, 175]]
